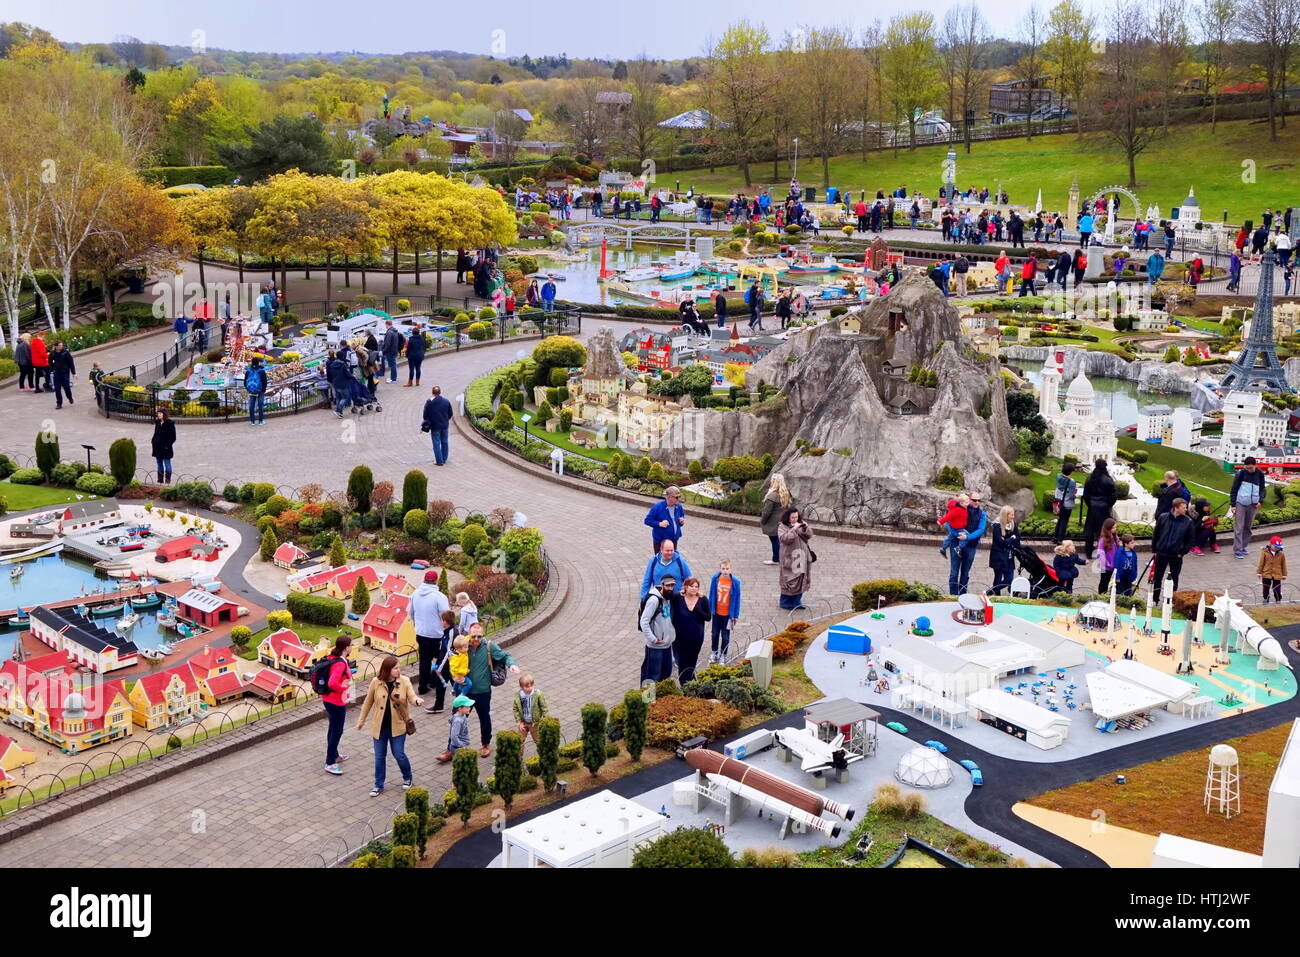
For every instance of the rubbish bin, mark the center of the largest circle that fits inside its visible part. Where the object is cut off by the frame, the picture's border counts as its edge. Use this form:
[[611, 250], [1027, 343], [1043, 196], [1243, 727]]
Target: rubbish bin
[[832, 193], [135, 283], [810, 194], [759, 654]]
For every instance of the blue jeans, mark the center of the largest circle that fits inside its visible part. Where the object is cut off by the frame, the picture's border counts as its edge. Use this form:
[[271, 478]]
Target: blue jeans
[[390, 363], [720, 641], [340, 400], [1002, 578], [164, 467], [439, 445], [335, 713], [257, 407], [959, 563], [657, 664], [398, 745], [791, 602], [548, 305]]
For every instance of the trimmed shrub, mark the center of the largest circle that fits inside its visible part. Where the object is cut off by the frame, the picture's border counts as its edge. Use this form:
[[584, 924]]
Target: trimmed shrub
[[97, 484], [594, 718], [315, 609], [416, 523], [240, 634], [417, 805], [674, 719], [361, 483], [739, 468], [548, 752], [274, 505], [464, 778], [508, 768], [121, 460], [634, 723], [268, 544], [27, 477], [865, 594], [47, 452], [415, 492], [279, 619], [471, 538], [688, 847]]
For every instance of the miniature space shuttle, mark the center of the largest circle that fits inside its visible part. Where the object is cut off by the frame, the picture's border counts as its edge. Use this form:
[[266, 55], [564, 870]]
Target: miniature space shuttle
[[816, 755]]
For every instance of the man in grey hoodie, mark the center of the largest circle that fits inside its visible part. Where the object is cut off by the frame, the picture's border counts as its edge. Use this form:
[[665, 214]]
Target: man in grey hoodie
[[427, 605], [658, 631]]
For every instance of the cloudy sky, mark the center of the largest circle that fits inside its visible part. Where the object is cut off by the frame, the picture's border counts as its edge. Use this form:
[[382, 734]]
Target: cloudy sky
[[606, 28]]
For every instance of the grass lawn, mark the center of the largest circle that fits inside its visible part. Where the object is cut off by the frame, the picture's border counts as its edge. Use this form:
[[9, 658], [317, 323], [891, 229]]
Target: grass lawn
[[1211, 163], [1167, 795], [561, 439], [309, 634], [23, 497]]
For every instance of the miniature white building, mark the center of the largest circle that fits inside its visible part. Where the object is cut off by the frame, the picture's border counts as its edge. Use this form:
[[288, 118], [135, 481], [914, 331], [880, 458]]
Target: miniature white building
[[1272, 429], [1078, 430], [1151, 320], [1184, 430], [598, 831], [1151, 423], [1189, 212], [1247, 428]]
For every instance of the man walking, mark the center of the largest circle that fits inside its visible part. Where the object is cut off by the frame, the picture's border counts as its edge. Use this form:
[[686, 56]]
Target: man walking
[[962, 556], [390, 349], [666, 518], [1029, 276], [548, 295], [720, 309], [427, 605], [961, 267], [754, 299], [437, 419], [64, 370], [415, 346], [1173, 538], [1247, 493]]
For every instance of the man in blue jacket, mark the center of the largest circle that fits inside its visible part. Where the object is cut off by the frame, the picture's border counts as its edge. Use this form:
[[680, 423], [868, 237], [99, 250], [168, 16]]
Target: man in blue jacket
[[1247, 494], [548, 295], [437, 419], [665, 564], [962, 556], [666, 518]]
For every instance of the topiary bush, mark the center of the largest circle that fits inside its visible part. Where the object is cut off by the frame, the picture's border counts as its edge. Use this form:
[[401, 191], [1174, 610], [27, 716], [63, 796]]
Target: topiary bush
[[688, 847], [415, 492], [634, 723], [121, 460], [27, 477], [277, 620], [416, 523], [315, 609], [464, 778], [261, 491], [594, 718], [508, 768], [676, 718], [361, 483], [94, 484], [548, 752]]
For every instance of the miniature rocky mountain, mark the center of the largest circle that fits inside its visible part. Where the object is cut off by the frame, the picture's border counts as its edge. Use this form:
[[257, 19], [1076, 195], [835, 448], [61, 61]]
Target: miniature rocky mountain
[[857, 441]]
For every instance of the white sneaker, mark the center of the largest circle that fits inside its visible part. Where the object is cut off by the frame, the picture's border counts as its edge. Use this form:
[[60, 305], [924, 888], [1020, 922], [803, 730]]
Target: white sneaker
[[770, 562], [333, 769]]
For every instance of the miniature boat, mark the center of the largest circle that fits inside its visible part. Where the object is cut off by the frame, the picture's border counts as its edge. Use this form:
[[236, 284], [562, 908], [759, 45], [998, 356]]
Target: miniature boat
[[127, 622], [22, 618], [166, 620], [151, 655], [420, 563], [183, 629], [16, 572], [641, 273], [104, 611], [147, 601], [820, 269], [669, 275], [131, 547], [165, 648]]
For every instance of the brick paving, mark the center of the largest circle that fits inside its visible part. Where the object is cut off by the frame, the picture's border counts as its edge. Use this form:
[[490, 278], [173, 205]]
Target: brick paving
[[271, 804]]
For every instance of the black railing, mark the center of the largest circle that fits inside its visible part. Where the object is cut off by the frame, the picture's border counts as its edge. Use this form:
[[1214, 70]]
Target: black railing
[[138, 403]]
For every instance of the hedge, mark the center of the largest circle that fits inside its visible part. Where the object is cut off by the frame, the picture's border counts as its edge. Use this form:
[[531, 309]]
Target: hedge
[[95, 484], [315, 609], [168, 176]]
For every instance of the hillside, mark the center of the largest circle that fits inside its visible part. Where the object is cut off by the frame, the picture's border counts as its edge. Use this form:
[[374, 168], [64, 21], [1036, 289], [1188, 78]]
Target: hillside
[[1190, 156]]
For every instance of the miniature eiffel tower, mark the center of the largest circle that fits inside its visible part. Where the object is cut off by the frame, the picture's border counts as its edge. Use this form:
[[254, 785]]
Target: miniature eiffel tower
[[1257, 366]]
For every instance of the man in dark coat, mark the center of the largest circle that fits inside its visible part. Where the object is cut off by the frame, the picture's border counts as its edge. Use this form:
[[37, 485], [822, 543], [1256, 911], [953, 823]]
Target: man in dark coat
[[1173, 538], [390, 349], [340, 377], [415, 346], [64, 369], [436, 420]]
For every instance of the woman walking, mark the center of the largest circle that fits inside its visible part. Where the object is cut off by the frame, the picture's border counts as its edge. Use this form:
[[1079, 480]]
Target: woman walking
[[164, 441], [336, 702], [796, 559], [23, 359], [1002, 558], [1099, 496], [40, 365], [467, 611], [689, 617], [1107, 554], [390, 698], [776, 501]]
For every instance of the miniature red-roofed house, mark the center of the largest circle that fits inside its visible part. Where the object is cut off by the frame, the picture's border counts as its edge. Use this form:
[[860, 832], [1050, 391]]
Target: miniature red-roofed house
[[13, 755], [218, 689], [164, 698], [311, 582], [340, 586], [210, 662], [284, 650], [275, 688], [287, 554], [187, 546], [396, 585], [6, 782], [389, 628], [326, 645], [45, 697]]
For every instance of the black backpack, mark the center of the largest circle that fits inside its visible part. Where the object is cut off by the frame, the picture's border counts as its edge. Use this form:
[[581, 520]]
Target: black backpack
[[641, 609], [320, 674]]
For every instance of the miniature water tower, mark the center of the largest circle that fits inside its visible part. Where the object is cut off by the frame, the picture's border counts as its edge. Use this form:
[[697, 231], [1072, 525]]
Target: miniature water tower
[[1223, 781]]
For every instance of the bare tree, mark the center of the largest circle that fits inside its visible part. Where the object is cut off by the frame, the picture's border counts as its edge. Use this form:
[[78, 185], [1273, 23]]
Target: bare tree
[[1215, 29], [964, 41], [1029, 68], [823, 64], [1270, 26], [738, 89], [641, 133], [508, 128], [1128, 91], [1169, 44]]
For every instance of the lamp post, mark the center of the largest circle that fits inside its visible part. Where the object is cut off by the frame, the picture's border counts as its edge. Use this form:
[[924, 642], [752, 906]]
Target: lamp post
[[526, 419], [89, 449]]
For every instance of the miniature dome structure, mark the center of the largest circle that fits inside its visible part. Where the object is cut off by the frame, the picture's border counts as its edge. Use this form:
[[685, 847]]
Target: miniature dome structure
[[74, 705], [924, 767]]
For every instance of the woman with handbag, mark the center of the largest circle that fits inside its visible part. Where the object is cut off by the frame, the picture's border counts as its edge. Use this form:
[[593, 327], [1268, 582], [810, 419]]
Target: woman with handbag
[[796, 559], [489, 664], [390, 698]]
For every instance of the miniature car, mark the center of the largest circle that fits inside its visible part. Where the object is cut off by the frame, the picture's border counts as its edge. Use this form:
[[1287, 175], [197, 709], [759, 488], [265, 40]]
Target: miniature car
[[938, 746], [897, 726], [976, 775]]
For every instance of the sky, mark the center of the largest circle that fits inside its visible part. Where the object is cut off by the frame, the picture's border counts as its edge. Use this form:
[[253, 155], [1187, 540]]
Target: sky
[[611, 29]]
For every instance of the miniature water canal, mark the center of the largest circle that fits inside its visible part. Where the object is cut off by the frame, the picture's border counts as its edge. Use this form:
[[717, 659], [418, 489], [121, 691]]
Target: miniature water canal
[[60, 578], [1119, 396]]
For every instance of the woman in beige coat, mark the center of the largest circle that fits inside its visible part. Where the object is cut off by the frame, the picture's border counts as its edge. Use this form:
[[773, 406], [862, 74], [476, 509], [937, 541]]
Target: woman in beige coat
[[390, 698]]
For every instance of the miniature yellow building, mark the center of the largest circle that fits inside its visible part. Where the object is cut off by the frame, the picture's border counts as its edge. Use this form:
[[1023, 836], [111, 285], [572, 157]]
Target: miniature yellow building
[[165, 698]]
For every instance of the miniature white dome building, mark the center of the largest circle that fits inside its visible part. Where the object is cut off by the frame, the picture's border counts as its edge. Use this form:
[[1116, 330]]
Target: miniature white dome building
[[1189, 213], [1079, 430], [924, 767], [74, 706]]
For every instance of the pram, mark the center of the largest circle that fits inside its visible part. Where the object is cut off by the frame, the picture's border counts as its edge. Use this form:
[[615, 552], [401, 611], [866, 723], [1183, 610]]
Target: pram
[[1042, 577], [362, 399]]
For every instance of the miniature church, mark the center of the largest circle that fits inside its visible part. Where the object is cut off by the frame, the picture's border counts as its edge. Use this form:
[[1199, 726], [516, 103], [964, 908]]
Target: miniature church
[[1079, 430]]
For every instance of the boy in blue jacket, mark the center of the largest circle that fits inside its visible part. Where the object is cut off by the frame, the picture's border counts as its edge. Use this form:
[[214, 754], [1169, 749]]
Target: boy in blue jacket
[[1126, 567], [724, 599], [666, 518]]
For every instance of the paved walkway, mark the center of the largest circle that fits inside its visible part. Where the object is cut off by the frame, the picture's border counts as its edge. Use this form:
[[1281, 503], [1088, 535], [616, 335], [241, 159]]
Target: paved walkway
[[272, 805]]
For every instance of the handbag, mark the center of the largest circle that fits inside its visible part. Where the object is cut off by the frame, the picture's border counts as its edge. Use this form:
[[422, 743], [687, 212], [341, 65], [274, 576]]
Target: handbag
[[410, 726], [812, 556], [498, 673]]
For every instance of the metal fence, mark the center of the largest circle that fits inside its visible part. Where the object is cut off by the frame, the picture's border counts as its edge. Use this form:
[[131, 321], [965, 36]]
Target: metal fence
[[137, 404]]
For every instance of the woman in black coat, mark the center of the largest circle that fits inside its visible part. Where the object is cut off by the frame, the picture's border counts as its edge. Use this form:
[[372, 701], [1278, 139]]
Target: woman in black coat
[[689, 617], [164, 440], [1002, 556], [1099, 496]]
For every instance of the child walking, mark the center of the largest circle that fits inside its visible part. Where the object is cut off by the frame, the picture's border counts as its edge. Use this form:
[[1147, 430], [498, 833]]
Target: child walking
[[1066, 563], [953, 522], [1272, 568], [724, 599], [530, 709], [1126, 566], [458, 737]]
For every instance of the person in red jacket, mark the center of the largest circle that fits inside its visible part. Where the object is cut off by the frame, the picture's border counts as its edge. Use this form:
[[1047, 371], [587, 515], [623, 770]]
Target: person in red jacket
[[1028, 274], [953, 522], [41, 364], [336, 702], [1003, 265]]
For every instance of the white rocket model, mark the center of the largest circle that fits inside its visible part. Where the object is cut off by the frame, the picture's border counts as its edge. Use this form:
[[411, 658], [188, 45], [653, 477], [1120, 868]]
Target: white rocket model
[[1200, 618], [1150, 602], [765, 802], [1166, 608], [1112, 622], [814, 753], [1232, 617]]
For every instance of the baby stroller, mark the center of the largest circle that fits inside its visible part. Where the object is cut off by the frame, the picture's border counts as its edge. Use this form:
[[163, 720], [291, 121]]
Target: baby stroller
[[362, 399], [1042, 577]]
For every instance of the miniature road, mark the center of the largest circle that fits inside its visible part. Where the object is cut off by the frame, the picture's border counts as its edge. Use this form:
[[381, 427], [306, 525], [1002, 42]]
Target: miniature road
[[272, 805]]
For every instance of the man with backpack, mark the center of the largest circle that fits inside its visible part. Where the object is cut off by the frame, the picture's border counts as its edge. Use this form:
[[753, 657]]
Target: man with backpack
[[390, 350], [255, 386], [961, 267], [668, 562], [657, 629]]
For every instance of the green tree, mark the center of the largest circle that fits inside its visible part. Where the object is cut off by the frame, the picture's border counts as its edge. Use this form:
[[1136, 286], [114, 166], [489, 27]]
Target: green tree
[[121, 461], [360, 597], [415, 491], [464, 778], [503, 421], [689, 847], [338, 554], [1071, 52], [1040, 443], [738, 90], [508, 768], [278, 145], [911, 64], [360, 484], [406, 830], [1171, 354], [269, 544], [548, 751], [47, 452], [594, 720], [634, 724]]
